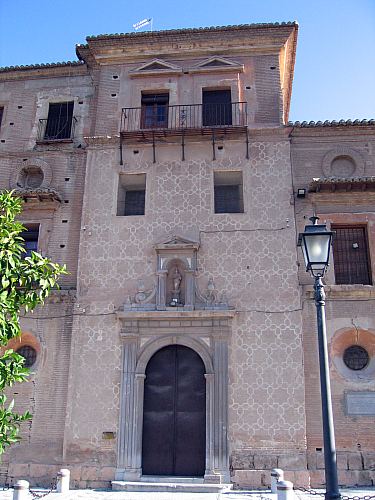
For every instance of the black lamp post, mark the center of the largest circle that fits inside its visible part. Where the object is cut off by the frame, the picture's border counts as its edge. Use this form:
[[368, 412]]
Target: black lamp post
[[316, 243]]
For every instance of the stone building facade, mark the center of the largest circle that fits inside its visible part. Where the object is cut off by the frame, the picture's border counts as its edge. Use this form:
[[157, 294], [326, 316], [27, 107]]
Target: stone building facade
[[162, 169]]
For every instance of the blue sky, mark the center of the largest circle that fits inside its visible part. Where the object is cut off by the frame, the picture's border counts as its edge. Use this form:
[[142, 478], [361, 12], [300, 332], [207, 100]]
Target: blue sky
[[335, 68]]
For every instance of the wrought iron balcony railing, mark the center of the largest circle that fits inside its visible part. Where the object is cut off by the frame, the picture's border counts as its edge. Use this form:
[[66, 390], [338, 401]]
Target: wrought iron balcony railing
[[183, 118], [56, 129]]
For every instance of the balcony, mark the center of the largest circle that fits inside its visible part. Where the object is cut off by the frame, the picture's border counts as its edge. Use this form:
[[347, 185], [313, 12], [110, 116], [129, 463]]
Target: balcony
[[56, 130], [150, 123]]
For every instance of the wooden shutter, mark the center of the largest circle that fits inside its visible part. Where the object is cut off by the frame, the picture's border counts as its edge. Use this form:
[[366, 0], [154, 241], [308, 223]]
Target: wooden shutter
[[217, 107], [227, 199], [135, 202]]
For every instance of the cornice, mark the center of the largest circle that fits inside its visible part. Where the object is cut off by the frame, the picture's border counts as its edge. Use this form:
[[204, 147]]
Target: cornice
[[116, 48], [102, 141], [69, 68]]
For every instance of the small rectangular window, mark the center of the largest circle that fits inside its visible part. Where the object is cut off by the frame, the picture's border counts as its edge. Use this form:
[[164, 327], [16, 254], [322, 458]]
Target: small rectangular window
[[217, 107], [351, 256], [30, 236], [1, 114], [59, 121], [228, 192], [154, 110], [131, 194]]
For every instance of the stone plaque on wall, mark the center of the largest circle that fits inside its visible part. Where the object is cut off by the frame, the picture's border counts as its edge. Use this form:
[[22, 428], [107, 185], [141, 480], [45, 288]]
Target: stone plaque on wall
[[360, 403]]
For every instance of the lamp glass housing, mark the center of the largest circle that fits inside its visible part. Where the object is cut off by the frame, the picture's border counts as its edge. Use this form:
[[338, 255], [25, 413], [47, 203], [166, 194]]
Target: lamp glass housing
[[316, 244]]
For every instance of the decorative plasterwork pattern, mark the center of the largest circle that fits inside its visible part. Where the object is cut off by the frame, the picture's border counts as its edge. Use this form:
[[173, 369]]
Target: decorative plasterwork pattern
[[343, 151]]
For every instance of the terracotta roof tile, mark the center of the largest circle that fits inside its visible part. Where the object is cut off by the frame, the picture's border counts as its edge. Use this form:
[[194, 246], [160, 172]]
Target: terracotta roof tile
[[333, 123], [192, 30]]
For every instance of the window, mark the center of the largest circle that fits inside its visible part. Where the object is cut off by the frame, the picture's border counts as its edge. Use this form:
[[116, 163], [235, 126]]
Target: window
[[31, 239], [59, 121], [1, 114], [29, 354], [216, 107], [356, 357], [228, 192], [131, 194], [350, 255], [154, 111]]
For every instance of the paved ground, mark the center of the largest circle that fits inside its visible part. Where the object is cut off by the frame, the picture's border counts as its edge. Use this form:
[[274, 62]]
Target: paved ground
[[233, 495]]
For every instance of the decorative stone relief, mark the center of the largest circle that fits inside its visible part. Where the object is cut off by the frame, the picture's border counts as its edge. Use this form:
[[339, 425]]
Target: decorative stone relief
[[176, 285], [343, 162]]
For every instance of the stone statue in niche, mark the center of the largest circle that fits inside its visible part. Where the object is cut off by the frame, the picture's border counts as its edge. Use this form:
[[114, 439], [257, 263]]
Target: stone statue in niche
[[176, 291]]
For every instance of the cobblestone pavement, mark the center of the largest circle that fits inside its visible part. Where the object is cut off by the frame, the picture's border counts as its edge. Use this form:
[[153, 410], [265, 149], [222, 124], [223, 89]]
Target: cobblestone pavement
[[232, 495]]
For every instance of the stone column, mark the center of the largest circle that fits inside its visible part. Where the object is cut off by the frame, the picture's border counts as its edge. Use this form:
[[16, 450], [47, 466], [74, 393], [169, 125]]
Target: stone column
[[161, 296], [126, 461], [189, 290], [221, 458], [209, 474]]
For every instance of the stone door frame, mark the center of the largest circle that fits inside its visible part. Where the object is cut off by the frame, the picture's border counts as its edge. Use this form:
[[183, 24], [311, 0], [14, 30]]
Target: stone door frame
[[143, 334]]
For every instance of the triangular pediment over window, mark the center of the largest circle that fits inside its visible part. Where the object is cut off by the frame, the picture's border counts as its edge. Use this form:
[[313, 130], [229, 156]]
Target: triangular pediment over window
[[154, 67], [217, 64], [177, 242]]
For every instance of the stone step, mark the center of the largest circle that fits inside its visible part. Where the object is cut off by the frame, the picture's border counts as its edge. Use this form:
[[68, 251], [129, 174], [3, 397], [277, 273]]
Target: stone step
[[171, 486]]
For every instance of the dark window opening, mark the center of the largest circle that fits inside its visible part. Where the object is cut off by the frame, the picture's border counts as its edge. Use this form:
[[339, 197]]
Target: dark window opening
[[216, 107], [30, 237], [59, 121], [131, 194], [154, 112], [1, 114], [356, 357], [29, 354], [351, 256], [228, 192]]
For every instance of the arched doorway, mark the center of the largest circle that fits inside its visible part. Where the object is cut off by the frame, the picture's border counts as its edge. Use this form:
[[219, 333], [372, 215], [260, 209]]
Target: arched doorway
[[174, 414]]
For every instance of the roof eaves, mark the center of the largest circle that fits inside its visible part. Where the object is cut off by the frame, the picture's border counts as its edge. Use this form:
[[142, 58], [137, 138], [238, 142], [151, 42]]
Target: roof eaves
[[191, 30], [62, 64], [333, 123]]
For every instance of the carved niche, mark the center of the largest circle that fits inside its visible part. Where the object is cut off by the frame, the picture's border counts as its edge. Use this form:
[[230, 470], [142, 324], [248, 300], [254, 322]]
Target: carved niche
[[176, 287]]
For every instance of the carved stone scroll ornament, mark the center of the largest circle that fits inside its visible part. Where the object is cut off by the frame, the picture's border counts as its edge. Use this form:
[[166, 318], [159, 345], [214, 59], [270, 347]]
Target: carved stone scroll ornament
[[143, 299]]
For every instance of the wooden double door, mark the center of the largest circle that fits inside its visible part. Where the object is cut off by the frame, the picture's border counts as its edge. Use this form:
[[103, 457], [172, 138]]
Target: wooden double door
[[174, 414]]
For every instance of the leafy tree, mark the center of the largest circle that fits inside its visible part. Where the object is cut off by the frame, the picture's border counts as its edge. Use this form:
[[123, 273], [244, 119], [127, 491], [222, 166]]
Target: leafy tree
[[25, 283]]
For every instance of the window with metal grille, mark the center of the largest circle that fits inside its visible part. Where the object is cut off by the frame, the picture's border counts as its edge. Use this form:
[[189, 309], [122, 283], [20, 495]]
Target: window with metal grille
[[216, 107], [228, 192], [59, 121], [30, 236], [29, 353], [351, 256], [356, 357], [131, 194], [154, 110]]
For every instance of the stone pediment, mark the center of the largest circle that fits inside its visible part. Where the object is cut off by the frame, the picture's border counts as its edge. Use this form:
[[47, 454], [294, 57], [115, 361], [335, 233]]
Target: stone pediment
[[217, 64], [176, 243], [155, 67]]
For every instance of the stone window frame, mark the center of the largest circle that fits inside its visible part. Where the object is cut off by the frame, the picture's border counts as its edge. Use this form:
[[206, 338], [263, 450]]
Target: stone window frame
[[57, 96], [129, 174], [32, 162], [347, 337], [353, 154], [352, 219]]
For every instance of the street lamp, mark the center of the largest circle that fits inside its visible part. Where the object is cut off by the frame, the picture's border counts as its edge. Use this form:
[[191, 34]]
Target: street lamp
[[316, 244]]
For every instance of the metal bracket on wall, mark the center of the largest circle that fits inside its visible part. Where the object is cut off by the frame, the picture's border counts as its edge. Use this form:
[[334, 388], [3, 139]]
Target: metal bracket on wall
[[213, 145], [121, 142]]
